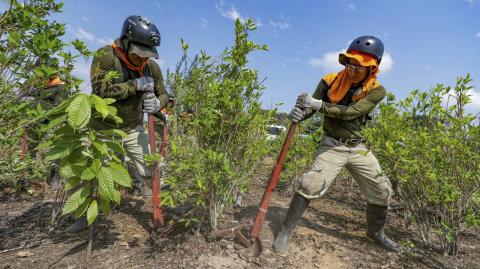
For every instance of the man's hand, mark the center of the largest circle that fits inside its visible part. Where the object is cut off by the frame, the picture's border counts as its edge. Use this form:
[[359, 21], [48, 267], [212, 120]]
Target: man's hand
[[144, 84], [151, 104], [297, 114], [305, 100]]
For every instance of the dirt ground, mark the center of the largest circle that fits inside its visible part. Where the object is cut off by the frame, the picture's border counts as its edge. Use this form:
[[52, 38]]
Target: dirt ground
[[330, 235]]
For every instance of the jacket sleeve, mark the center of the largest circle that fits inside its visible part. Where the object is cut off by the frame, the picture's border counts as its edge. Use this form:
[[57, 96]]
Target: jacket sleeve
[[160, 90], [104, 88], [357, 109], [319, 93]]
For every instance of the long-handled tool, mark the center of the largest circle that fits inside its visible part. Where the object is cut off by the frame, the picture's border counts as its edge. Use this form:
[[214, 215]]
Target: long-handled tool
[[157, 210], [254, 243]]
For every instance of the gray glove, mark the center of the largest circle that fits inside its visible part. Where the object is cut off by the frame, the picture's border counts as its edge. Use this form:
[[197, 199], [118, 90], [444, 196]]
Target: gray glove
[[297, 114], [151, 104], [305, 100], [144, 84]]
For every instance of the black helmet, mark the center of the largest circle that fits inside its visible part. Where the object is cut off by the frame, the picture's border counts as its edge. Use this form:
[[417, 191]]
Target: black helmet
[[140, 30], [368, 44]]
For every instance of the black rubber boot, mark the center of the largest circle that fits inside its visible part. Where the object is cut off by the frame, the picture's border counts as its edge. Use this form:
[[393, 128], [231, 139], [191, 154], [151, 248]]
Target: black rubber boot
[[376, 218], [295, 211], [78, 226]]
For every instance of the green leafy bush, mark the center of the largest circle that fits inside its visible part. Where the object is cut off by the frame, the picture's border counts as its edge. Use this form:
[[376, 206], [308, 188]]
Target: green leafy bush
[[219, 127], [431, 147], [89, 159], [31, 52]]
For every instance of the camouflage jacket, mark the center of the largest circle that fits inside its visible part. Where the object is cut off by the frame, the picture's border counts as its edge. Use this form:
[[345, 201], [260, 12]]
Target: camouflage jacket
[[129, 103]]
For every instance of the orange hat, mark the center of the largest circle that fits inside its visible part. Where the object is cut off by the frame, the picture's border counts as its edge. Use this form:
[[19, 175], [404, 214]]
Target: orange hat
[[363, 59], [55, 81]]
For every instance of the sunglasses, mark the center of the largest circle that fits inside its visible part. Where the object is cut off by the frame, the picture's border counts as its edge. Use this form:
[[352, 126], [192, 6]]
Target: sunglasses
[[356, 68]]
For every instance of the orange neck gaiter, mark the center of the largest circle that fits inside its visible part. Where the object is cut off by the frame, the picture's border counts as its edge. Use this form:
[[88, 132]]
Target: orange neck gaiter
[[342, 83], [126, 61]]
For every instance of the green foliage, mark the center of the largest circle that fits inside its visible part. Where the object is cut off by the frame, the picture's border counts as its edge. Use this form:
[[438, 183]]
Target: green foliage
[[430, 147], [301, 151], [88, 158], [216, 147], [31, 52]]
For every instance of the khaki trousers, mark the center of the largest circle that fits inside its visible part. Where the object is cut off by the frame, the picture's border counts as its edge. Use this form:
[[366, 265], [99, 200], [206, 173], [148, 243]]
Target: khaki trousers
[[137, 146], [331, 157]]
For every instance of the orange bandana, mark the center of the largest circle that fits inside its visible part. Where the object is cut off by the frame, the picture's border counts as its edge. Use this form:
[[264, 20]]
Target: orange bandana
[[340, 83], [124, 58]]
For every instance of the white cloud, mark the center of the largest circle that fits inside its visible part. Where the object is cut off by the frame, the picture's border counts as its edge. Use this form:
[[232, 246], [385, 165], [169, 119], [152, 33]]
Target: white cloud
[[472, 2], [387, 63], [204, 23], [158, 5], [231, 13], [329, 62], [82, 70], [85, 18], [352, 7], [475, 96], [478, 35], [82, 34], [104, 40], [427, 67], [87, 36], [282, 25]]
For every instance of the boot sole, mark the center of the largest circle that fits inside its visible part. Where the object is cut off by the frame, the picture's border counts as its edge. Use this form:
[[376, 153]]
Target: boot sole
[[284, 254]]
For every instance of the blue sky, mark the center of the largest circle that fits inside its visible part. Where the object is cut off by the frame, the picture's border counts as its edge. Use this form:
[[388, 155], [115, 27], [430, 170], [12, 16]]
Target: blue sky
[[426, 41]]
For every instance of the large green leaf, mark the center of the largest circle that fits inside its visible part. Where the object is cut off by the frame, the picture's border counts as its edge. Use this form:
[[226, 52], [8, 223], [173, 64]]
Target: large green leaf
[[105, 206], [79, 111], [88, 174], [116, 147], [92, 212], [101, 147], [80, 211], [59, 151], [100, 105], [76, 199], [120, 175], [106, 186], [114, 133]]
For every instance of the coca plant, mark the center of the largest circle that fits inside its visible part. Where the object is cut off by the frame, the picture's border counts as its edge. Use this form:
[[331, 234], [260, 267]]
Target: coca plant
[[430, 145], [219, 127]]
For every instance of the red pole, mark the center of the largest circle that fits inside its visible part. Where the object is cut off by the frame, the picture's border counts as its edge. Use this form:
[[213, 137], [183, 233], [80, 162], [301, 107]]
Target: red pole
[[267, 195], [157, 210], [23, 153]]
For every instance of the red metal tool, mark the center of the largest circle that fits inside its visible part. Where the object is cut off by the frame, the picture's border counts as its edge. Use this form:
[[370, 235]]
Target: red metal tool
[[157, 210], [254, 243]]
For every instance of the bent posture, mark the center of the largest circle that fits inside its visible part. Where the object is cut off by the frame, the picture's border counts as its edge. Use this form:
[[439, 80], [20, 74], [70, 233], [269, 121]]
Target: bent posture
[[345, 98]]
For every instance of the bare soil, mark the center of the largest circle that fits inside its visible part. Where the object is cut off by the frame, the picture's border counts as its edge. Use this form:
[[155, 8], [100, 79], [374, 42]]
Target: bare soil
[[330, 235]]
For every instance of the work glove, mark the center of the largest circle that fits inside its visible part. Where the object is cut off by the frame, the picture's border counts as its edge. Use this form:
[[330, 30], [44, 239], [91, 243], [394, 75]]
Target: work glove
[[297, 114], [305, 100], [144, 84], [151, 104]]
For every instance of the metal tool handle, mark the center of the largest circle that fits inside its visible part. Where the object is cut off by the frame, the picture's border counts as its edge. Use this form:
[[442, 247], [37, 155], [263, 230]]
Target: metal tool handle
[[267, 195], [157, 210]]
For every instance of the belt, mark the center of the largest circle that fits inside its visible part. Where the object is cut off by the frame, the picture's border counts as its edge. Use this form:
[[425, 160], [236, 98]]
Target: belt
[[349, 142]]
